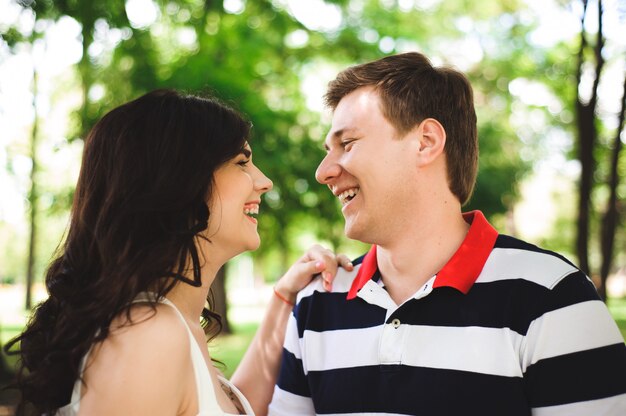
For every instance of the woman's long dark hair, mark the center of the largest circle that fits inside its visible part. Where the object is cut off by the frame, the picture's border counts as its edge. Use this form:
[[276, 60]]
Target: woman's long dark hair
[[140, 202]]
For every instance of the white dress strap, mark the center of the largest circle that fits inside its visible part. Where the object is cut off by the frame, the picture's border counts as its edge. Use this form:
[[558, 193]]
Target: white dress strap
[[207, 402], [242, 399]]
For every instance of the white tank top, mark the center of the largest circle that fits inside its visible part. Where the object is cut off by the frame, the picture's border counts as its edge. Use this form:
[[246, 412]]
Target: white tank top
[[207, 401]]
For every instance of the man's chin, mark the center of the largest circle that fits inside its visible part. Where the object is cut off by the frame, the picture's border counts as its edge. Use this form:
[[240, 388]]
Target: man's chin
[[353, 232]]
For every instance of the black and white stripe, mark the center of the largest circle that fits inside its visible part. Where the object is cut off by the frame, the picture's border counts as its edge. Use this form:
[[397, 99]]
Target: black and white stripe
[[530, 337]]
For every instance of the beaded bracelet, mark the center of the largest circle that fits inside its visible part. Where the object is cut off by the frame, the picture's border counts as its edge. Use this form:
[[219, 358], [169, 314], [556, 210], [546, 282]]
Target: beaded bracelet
[[284, 299]]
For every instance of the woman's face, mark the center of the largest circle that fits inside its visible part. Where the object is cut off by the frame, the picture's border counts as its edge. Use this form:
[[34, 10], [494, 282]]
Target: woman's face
[[234, 206]]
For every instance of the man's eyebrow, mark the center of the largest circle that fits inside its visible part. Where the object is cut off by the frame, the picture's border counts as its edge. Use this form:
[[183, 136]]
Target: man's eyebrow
[[347, 130]]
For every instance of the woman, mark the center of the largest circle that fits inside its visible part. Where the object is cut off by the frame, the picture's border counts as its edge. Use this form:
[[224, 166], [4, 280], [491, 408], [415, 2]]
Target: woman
[[167, 193]]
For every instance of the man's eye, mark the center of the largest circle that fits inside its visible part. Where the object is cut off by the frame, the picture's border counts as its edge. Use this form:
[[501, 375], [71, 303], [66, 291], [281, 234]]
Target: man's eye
[[347, 144]]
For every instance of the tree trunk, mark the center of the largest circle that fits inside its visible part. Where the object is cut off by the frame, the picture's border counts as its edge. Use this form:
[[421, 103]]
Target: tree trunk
[[283, 246], [32, 200], [219, 296], [586, 140], [611, 215], [587, 136]]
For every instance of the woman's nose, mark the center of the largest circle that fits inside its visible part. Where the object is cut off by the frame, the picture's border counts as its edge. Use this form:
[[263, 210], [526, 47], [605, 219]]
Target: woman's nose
[[262, 183]]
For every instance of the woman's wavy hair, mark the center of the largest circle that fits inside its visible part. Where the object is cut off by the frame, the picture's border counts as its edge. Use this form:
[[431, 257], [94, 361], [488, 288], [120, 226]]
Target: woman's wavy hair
[[140, 203]]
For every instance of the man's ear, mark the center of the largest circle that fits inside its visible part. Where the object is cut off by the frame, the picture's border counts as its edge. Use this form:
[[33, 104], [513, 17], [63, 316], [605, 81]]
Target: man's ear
[[432, 140]]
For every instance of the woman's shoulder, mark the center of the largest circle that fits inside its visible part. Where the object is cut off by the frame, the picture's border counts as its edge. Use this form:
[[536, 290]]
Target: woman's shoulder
[[146, 352], [145, 332], [144, 322]]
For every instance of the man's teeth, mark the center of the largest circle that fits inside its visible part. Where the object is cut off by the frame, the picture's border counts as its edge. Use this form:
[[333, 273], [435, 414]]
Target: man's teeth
[[348, 194], [250, 211]]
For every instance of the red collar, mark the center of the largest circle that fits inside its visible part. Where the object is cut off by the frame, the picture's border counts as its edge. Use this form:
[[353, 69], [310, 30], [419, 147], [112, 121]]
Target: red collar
[[460, 272]]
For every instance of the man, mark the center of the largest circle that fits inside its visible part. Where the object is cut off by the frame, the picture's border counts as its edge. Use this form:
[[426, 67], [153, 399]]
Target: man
[[443, 315]]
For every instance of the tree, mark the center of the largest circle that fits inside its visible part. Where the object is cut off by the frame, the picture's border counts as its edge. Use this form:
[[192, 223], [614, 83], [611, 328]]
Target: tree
[[590, 53], [13, 38], [587, 134], [218, 289], [33, 197], [614, 207]]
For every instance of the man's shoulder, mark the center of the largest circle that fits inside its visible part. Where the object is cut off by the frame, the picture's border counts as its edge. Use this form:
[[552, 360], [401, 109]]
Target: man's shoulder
[[514, 259], [512, 243], [341, 283]]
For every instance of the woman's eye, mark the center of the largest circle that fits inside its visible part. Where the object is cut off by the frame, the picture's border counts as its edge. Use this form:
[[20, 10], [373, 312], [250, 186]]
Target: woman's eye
[[243, 162], [347, 144]]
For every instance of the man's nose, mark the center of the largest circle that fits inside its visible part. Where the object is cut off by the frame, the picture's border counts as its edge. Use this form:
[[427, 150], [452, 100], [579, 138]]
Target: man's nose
[[328, 169]]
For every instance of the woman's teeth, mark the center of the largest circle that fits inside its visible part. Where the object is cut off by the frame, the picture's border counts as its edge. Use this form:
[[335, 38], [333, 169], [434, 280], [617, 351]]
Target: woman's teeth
[[251, 211]]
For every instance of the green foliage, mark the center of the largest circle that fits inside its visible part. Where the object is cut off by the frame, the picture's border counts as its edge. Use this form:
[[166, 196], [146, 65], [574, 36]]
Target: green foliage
[[12, 36], [249, 59]]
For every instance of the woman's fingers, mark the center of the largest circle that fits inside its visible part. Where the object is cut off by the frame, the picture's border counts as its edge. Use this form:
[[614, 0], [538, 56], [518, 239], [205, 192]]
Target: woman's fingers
[[345, 262], [332, 262], [317, 260]]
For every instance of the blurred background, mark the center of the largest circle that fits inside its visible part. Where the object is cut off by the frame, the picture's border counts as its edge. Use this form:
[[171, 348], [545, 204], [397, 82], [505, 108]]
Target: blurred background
[[549, 79]]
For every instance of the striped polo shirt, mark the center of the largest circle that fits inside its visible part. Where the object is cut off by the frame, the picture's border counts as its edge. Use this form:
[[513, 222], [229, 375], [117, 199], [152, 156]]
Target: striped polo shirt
[[505, 328]]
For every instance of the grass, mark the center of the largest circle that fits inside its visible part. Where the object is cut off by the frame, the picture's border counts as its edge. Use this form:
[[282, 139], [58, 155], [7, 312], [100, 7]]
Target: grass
[[229, 349], [617, 307], [9, 332]]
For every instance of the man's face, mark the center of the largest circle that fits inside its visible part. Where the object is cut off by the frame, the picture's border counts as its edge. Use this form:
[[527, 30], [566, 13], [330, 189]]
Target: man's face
[[368, 167]]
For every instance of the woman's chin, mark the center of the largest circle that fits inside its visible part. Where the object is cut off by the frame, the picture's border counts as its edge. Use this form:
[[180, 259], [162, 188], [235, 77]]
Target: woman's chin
[[253, 244], [240, 247]]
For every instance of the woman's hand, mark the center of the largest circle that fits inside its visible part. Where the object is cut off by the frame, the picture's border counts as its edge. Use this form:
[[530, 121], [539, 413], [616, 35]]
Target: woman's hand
[[317, 260]]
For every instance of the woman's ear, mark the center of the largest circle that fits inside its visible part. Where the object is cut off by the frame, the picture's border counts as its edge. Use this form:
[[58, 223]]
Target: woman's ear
[[432, 139]]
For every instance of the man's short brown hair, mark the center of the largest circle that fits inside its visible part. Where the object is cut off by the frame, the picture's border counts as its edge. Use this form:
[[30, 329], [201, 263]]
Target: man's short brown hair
[[412, 90]]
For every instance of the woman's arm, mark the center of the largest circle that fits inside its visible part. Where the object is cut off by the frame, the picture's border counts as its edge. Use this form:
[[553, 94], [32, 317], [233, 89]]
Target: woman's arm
[[257, 373]]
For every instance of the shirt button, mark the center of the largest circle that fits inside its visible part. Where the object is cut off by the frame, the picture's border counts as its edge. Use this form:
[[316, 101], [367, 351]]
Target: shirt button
[[395, 323]]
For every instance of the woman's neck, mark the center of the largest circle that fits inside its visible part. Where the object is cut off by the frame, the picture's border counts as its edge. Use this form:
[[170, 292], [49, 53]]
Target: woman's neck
[[190, 300]]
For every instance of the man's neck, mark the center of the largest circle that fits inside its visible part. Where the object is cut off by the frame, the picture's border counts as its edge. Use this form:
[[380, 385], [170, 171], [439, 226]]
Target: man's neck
[[408, 262]]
